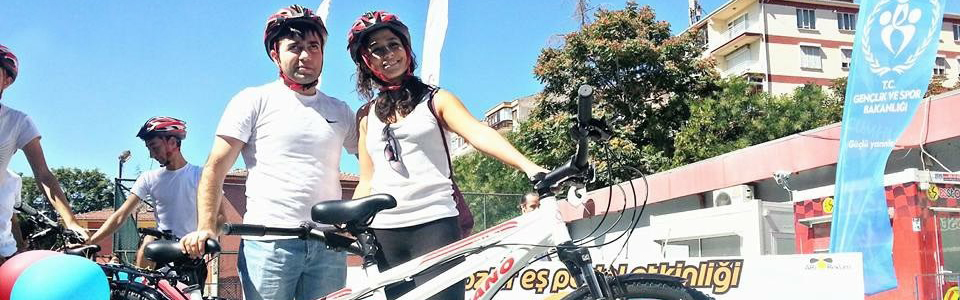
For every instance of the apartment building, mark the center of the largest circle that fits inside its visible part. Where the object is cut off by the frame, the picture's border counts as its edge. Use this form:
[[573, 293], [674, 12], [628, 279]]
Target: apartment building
[[504, 117], [779, 45]]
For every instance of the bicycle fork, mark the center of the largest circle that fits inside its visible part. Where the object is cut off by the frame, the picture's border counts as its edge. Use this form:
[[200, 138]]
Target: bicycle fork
[[578, 262]]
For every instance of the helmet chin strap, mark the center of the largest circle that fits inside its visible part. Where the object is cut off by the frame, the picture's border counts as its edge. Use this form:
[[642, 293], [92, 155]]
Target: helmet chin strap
[[296, 86]]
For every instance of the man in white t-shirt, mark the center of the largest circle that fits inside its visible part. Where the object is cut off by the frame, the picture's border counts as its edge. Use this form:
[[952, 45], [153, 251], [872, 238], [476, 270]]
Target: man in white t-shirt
[[172, 187], [290, 135], [18, 132]]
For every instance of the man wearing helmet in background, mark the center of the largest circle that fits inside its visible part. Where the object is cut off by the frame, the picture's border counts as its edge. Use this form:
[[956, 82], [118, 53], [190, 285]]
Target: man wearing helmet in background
[[172, 187], [18, 132], [290, 135]]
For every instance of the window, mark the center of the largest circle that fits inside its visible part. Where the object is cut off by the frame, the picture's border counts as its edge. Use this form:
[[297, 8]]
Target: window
[[847, 56], [737, 26], [711, 247], [810, 58], [956, 32], [738, 58], [846, 21], [941, 66], [504, 114], [950, 241], [806, 19], [756, 82]]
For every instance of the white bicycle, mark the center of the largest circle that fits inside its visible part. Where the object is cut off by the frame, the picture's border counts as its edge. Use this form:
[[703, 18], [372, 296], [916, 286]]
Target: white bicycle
[[506, 248]]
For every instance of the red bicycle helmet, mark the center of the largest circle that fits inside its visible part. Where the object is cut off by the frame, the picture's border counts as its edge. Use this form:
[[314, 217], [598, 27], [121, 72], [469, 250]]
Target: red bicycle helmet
[[288, 16], [370, 22], [8, 62], [163, 126]]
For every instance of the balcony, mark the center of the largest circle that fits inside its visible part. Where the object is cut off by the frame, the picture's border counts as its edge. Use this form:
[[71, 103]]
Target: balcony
[[506, 125], [733, 39]]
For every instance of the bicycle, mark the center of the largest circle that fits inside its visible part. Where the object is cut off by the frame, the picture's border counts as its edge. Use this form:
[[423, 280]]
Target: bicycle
[[513, 244], [42, 233], [176, 267], [126, 282]]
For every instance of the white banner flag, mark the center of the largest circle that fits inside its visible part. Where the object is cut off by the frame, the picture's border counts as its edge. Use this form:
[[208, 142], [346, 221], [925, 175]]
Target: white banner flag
[[323, 11], [434, 34]]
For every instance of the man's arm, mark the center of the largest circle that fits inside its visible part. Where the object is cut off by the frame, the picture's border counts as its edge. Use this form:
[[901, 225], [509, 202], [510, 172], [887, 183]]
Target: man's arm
[[50, 187], [116, 219], [17, 234], [209, 191]]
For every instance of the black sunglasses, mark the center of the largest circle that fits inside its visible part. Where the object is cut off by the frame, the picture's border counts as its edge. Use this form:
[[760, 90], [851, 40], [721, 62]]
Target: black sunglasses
[[392, 150]]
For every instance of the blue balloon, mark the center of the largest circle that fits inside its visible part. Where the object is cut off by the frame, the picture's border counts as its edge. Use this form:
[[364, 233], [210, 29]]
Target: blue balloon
[[62, 277]]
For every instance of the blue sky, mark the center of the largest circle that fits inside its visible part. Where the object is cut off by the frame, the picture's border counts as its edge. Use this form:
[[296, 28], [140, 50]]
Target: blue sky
[[93, 72]]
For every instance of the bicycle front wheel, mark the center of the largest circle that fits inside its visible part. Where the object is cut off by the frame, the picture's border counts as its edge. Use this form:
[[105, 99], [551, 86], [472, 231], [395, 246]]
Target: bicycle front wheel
[[644, 289]]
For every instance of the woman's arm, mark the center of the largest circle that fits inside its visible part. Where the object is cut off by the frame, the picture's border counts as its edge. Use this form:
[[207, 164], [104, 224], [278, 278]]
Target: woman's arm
[[481, 136], [366, 165], [50, 187]]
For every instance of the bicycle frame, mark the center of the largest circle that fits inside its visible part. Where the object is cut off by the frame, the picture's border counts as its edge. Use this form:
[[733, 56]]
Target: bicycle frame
[[526, 229]]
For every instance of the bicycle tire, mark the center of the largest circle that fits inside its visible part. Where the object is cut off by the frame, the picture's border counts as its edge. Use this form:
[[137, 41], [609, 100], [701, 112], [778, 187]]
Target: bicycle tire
[[128, 290], [639, 288]]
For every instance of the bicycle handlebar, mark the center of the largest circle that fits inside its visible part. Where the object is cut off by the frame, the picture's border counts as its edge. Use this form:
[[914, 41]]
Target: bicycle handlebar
[[157, 233], [579, 164], [25, 208]]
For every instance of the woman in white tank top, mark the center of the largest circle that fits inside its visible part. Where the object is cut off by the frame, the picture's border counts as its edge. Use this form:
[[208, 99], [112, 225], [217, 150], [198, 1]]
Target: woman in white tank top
[[402, 147]]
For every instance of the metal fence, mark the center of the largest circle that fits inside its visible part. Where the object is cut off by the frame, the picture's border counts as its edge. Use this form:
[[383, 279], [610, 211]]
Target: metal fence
[[125, 240], [225, 282], [490, 209]]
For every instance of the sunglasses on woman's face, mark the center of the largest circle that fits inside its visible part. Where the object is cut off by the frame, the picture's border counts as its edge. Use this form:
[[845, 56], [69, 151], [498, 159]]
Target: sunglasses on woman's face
[[392, 150]]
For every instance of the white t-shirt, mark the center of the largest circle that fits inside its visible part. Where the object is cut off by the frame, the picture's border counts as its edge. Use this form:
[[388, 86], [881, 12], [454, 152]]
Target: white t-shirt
[[175, 195], [292, 150], [9, 195], [16, 130]]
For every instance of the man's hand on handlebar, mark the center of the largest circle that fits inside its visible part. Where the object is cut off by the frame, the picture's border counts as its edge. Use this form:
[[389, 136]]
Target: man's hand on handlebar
[[194, 243]]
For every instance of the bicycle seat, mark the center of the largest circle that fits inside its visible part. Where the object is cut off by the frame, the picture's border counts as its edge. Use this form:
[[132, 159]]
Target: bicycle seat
[[163, 252], [348, 211]]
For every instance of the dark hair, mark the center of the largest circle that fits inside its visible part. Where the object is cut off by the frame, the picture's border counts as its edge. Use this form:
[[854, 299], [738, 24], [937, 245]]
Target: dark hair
[[523, 200], [403, 100], [296, 30], [148, 137]]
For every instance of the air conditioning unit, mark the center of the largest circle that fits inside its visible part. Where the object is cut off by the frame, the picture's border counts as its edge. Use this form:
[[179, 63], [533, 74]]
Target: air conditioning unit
[[731, 195]]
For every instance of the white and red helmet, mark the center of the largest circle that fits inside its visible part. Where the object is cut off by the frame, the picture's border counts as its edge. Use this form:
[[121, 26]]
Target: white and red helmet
[[370, 22], [8, 62], [288, 16], [163, 126]]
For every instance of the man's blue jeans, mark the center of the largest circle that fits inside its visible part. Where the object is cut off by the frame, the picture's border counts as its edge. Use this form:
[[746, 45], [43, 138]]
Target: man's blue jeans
[[290, 269]]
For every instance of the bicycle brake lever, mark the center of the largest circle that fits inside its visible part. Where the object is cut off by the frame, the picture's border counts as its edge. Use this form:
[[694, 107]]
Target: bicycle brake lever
[[572, 195], [599, 130]]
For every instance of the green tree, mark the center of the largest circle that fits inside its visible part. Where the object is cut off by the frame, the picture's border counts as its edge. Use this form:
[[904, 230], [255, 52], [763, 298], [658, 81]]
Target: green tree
[[645, 80], [737, 118], [486, 183], [87, 190], [478, 173]]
